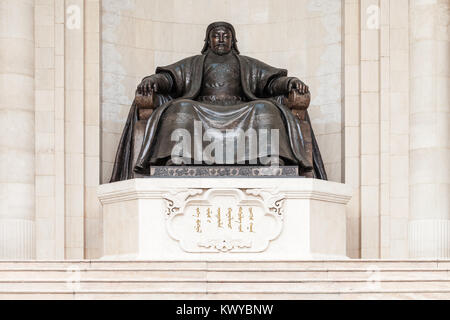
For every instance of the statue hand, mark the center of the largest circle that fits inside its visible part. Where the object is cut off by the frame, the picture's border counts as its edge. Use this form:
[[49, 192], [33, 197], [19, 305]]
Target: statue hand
[[148, 85], [298, 85]]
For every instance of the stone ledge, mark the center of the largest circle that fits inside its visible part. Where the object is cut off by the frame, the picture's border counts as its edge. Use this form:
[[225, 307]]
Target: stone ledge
[[154, 188]]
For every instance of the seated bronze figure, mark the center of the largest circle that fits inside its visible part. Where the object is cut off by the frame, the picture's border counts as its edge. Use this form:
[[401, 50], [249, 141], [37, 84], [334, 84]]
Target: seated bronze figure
[[224, 91]]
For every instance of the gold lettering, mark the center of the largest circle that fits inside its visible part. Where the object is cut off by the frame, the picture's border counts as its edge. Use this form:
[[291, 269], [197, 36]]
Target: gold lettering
[[241, 216], [241, 219], [219, 219], [198, 227]]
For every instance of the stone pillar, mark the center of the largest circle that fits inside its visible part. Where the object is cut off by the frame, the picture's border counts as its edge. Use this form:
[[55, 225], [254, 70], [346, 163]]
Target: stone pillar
[[17, 174], [429, 228]]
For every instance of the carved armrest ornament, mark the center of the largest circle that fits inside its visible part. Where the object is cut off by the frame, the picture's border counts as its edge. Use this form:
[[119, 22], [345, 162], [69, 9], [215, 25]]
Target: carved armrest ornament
[[145, 105], [298, 103]]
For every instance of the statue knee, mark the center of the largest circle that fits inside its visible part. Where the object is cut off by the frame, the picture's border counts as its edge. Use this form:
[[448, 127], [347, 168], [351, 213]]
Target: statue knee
[[182, 106], [264, 107]]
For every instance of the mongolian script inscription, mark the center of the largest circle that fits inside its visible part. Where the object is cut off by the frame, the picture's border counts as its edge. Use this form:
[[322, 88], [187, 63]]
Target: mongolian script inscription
[[224, 220], [241, 219]]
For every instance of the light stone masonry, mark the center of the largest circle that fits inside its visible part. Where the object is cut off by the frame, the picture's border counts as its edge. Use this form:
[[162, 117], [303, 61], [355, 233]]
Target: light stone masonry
[[429, 187], [17, 130]]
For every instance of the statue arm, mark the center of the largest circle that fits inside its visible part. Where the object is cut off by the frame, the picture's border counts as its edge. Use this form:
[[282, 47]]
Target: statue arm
[[278, 86], [157, 83], [284, 85]]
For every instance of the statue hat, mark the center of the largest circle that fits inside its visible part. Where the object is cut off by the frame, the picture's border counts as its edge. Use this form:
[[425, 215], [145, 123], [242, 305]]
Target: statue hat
[[214, 25]]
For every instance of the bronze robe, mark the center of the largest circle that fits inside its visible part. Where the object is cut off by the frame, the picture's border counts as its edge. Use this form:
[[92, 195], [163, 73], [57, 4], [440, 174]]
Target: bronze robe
[[255, 76]]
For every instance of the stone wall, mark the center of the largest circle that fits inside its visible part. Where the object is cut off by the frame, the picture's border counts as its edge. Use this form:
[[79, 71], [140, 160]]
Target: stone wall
[[17, 129], [67, 128], [429, 185], [396, 127], [377, 126]]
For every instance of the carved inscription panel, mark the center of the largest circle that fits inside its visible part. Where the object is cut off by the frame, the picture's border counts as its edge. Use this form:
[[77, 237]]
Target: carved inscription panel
[[224, 220]]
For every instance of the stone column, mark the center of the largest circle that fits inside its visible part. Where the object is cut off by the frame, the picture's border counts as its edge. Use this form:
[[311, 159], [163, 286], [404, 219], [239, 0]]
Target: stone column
[[429, 228], [17, 174]]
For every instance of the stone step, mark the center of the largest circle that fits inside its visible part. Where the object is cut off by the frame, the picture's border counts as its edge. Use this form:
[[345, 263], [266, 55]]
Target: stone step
[[198, 286], [235, 295], [349, 279], [220, 275], [230, 265]]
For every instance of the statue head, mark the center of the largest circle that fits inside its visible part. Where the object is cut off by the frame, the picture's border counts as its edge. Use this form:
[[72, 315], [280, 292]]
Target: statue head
[[220, 38]]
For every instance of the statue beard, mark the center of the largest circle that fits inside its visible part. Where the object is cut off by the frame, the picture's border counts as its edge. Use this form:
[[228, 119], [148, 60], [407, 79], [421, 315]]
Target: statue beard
[[220, 52]]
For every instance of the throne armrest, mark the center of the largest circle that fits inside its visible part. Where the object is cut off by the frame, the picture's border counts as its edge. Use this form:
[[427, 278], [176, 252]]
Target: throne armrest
[[145, 105], [298, 103]]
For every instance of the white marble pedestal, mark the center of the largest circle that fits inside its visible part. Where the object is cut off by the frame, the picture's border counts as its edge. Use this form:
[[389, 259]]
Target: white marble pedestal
[[224, 219]]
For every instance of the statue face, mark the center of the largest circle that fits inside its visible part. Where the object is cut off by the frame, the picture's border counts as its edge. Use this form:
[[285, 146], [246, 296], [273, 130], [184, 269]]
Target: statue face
[[221, 40]]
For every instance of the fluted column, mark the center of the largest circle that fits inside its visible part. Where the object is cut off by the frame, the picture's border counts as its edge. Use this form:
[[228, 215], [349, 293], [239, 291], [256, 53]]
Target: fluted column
[[17, 130], [429, 230]]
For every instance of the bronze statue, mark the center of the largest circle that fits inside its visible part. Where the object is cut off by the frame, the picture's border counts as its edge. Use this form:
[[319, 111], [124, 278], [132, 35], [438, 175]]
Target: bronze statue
[[222, 90]]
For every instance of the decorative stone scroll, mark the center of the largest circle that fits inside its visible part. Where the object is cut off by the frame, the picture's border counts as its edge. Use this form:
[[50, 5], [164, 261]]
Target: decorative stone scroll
[[224, 220]]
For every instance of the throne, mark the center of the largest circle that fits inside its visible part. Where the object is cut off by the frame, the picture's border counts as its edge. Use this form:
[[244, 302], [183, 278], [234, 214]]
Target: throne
[[298, 103]]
